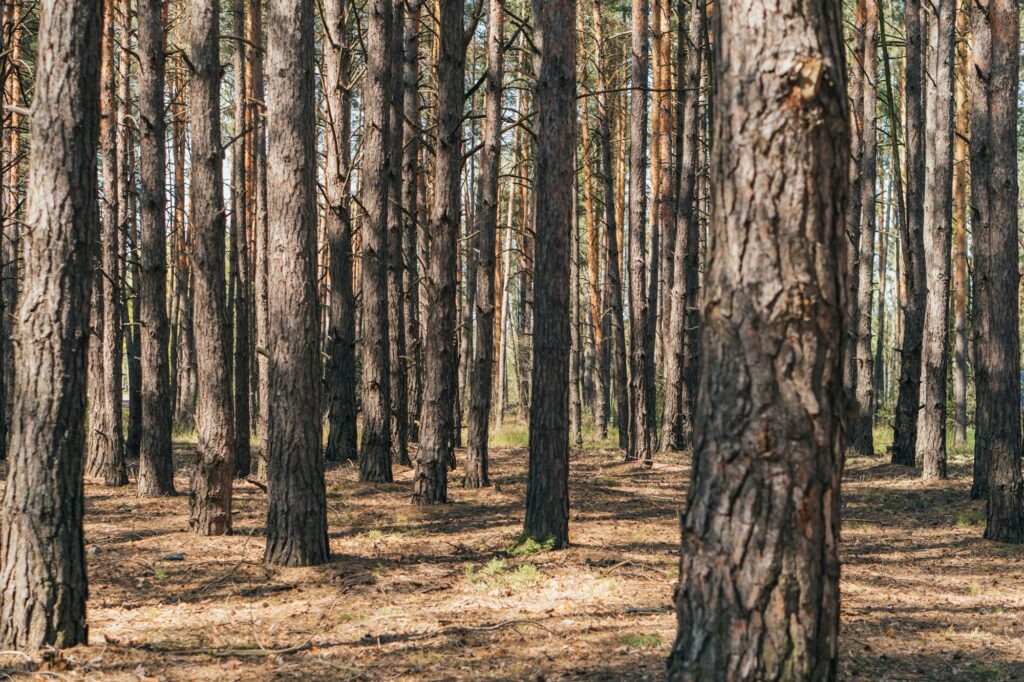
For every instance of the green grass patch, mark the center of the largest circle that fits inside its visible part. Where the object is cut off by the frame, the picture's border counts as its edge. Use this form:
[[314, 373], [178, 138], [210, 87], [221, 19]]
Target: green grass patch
[[498, 573], [640, 641], [528, 546], [972, 517]]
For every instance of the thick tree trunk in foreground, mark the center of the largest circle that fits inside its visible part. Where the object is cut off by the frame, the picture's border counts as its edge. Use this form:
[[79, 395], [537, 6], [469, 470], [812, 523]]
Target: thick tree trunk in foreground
[[375, 440], [758, 594], [997, 440], [104, 448], [680, 346], [641, 388], [156, 468], [547, 486], [341, 378], [42, 549], [430, 482], [210, 495], [912, 238], [297, 507], [931, 436], [486, 228]]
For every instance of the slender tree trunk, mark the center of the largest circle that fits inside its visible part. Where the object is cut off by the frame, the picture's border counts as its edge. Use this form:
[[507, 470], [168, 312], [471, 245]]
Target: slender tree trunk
[[931, 441], [341, 376], [430, 482], [997, 440], [156, 468], [42, 549], [857, 75], [486, 229], [297, 508], [681, 342], [641, 393], [240, 233], [260, 224], [758, 594], [410, 212], [961, 160], [547, 487], [600, 375], [104, 449], [883, 264], [908, 402], [375, 443], [210, 496], [575, 337]]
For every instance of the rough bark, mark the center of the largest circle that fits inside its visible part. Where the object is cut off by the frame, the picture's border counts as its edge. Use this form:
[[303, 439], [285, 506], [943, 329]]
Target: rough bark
[[156, 468], [375, 440], [547, 486], [340, 377], [241, 271], [210, 492], [758, 594], [912, 238], [961, 163], [410, 211], [681, 342], [42, 549], [997, 443], [486, 229], [938, 200], [430, 482], [297, 508]]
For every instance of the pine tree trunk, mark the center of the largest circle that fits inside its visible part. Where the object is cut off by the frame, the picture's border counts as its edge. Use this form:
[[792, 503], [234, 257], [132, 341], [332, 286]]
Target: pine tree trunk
[[410, 210], [104, 448], [375, 442], [42, 549], [156, 467], [486, 229], [680, 344], [961, 160], [297, 508], [430, 482], [758, 594], [210, 495], [855, 84], [931, 437], [908, 401], [341, 377], [547, 487], [997, 440]]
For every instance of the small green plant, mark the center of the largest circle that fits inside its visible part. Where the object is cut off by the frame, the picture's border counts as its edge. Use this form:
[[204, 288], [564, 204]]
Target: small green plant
[[528, 546], [495, 567], [160, 574], [641, 641], [497, 573], [972, 517]]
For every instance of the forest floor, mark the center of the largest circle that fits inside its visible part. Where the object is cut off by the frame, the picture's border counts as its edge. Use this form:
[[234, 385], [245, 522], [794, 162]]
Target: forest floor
[[435, 594]]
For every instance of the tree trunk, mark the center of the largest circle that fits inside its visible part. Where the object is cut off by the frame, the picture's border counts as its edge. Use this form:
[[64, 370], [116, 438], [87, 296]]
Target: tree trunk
[[486, 229], [641, 390], [297, 507], [861, 434], [104, 449], [758, 594], [908, 402], [681, 342], [883, 257], [997, 440], [375, 443], [430, 482], [547, 486], [156, 467], [857, 75], [210, 495], [42, 549], [131, 248], [960, 167], [931, 440], [410, 211], [613, 291], [341, 377]]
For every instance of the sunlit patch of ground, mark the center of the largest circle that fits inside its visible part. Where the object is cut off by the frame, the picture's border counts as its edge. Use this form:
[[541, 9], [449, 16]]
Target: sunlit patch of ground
[[446, 593]]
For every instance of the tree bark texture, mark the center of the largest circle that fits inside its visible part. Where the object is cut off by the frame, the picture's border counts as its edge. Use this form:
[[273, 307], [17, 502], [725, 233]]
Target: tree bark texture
[[961, 161]]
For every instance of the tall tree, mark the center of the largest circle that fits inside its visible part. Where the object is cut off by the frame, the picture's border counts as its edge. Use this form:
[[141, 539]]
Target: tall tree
[[210, 496], [641, 386], [375, 442], [156, 467], [912, 243], [486, 229], [547, 486], [938, 202], [104, 447], [340, 377], [758, 594], [42, 548], [297, 506], [961, 161], [997, 442], [430, 482]]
